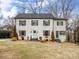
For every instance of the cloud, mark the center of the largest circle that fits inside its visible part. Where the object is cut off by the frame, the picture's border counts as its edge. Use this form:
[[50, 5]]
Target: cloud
[[45, 3], [18, 2], [6, 1], [10, 13], [7, 7], [5, 4]]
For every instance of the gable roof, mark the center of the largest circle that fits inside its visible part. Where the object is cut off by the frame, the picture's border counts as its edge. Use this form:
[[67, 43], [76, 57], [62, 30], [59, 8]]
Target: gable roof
[[34, 16], [37, 16]]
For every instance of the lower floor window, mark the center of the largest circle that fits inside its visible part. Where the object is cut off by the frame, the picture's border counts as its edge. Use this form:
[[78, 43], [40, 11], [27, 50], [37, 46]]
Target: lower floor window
[[22, 33], [62, 32], [46, 33]]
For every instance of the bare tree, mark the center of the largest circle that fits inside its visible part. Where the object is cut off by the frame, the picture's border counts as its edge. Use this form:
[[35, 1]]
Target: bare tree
[[23, 8], [62, 8], [35, 6], [77, 30], [53, 8]]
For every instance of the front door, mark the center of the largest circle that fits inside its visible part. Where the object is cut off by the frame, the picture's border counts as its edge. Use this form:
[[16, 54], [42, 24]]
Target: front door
[[57, 34], [34, 35]]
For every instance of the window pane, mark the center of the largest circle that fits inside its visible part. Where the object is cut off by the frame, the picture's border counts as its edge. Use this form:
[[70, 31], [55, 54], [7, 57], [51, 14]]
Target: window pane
[[57, 23], [62, 32], [22, 22], [46, 22], [22, 33], [61, 23], [34, 22]]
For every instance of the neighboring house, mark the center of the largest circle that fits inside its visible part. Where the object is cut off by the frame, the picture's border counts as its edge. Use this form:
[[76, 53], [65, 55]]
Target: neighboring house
[[34, 26]]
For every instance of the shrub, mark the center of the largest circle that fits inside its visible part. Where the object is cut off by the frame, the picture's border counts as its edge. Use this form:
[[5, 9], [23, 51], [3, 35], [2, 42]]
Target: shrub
[[22, 37], [14, 39], [46, 38], [5, 34], [14, 34], [40, 38], [52, 36]]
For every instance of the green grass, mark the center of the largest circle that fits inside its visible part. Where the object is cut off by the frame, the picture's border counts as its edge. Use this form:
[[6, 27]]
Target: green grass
[[27, 52]]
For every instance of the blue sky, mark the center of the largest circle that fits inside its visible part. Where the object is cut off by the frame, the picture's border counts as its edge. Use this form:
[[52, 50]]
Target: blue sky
[[11, 7]]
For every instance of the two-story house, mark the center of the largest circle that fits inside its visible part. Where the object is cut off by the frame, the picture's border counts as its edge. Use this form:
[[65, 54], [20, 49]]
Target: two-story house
[[34, 26]]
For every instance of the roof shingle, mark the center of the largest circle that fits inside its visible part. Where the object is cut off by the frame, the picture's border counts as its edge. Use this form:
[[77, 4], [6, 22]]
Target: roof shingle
[[37, 16]]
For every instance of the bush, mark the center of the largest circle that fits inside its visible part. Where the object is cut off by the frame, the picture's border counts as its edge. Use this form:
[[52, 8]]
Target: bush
[[14, 39], [40, 38], [45, 39], [14, 34], [5, 34], [52, 36], [22, 37]]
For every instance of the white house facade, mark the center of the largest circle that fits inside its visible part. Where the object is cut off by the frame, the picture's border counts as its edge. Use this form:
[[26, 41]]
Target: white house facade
[[34, 26]]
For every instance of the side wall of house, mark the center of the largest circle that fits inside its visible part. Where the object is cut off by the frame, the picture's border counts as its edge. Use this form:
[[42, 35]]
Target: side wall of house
[[60, 28]]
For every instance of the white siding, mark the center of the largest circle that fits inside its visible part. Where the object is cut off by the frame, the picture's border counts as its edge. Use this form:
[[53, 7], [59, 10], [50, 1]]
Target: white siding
[[53, 27], [38, 28]]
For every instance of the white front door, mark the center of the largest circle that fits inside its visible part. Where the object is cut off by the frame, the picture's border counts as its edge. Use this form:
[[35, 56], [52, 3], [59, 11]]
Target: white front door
[[34, 35]]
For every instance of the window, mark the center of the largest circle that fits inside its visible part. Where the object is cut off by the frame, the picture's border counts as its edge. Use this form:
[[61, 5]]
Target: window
[[22, 33], [22, 22], [46, 33], [34, 22], [46, 22], [62, 23], [59, 23], [34, 31], [62, 32]]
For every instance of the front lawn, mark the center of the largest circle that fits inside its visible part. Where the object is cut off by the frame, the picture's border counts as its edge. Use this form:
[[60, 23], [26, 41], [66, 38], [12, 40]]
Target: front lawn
[[37, 50]]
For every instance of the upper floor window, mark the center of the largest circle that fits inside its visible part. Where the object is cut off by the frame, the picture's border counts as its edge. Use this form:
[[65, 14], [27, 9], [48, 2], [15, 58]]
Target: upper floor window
[[59, 23], [22, 22], [46, 22], [34, 22]]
